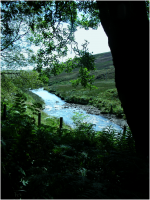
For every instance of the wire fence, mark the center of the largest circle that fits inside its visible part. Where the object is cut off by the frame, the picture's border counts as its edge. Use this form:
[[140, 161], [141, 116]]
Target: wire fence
[[39, 119]]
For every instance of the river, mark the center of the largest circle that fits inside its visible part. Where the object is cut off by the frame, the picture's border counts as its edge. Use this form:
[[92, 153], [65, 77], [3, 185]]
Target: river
[[55, 106]]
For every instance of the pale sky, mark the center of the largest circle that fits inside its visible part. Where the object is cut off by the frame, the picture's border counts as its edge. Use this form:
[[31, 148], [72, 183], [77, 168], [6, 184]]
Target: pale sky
[[98, 40]]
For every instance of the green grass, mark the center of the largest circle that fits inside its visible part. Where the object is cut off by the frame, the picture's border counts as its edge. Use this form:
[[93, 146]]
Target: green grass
[[104, 97], [44, 162], [104, 67], [69, 164], [33, 98], [45, 118]]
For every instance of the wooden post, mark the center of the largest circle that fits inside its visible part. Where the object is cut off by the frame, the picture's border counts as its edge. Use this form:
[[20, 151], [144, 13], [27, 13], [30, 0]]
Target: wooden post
[[4, 112], [61, 122], [124, 130], [111, 109], [39, 119]]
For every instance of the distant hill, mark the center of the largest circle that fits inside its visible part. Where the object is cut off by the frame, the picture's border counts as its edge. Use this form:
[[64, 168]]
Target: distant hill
[[103, 60], [104, 70]]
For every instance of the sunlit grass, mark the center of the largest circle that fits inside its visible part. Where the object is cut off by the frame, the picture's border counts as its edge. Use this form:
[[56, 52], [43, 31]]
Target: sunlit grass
[[45, 118], [46, 162], [105, 97], [70, 163]]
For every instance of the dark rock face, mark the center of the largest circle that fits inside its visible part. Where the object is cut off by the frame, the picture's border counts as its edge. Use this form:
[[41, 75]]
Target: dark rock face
[[129, 46]]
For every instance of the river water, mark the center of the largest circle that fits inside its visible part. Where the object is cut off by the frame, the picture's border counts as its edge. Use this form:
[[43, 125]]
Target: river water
[[55, 106]]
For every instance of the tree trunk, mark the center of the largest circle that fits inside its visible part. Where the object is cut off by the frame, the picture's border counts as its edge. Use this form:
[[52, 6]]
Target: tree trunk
[[127, 28]]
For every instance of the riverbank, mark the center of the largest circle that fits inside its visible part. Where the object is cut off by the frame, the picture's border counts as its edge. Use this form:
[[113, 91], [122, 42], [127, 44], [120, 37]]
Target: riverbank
[[105, 97], [55, 106], [77, 155], [105, 104], [95, 111], [90, 109]]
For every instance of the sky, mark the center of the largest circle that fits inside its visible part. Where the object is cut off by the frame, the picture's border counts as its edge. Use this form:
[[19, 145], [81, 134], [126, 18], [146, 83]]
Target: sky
[[98, 41]]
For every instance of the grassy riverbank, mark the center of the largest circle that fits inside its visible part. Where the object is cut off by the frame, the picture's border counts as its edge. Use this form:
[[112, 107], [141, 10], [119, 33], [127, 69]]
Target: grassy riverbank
[[45, 162], [32, 98], [105, 97]]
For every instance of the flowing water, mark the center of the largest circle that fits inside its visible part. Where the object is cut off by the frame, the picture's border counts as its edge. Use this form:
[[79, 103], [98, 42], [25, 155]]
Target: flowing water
[[54, 106]]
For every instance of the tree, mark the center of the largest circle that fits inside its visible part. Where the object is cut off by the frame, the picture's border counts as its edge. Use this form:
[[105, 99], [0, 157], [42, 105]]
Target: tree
[[41, 23], [17, 20], [128, 44], [120, 21], [11, 83], [127, 27]]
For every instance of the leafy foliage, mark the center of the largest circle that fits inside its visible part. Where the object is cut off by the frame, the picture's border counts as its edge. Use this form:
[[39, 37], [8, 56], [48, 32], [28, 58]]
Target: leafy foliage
[[45, 162], [106, 100], [16, 22], [147, 8], [43, 28], [18, 81], [19, 104]]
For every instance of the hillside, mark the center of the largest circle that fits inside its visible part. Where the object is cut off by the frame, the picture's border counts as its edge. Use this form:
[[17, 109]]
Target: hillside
[[103, 60], [104, 70], [104, 97]]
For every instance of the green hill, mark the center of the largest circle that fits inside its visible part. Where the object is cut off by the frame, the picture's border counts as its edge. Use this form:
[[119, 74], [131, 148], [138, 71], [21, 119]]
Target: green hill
[[105, 97], [104, 70], [103, 60]]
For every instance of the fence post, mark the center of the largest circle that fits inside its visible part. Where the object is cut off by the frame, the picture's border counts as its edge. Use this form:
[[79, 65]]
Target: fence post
[[61, 122], [111, 109], [4, 112], [39, 119], [124, 130]]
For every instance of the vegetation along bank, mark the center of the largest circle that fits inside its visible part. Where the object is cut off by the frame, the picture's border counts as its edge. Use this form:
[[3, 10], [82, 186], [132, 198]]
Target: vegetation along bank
[[104, 98], [44, 161]]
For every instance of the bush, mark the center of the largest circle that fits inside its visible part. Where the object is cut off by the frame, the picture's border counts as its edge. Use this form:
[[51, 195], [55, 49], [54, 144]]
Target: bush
[[46, 162]]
